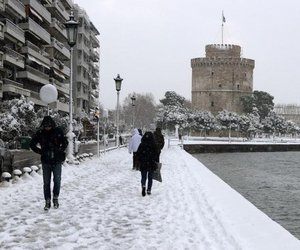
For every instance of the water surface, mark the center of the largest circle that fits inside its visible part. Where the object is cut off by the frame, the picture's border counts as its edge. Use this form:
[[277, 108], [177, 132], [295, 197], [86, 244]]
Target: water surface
[[271, 181]]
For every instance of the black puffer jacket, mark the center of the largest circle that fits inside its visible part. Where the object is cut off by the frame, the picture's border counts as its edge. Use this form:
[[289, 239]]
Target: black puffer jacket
[[147, 152], [52, 142]]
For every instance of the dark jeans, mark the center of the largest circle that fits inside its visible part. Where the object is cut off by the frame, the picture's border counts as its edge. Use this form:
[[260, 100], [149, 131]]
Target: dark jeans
[[144, 174], [48, 169]]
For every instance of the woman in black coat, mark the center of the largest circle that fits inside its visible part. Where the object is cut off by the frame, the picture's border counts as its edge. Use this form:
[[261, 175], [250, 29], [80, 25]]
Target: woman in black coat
[[147, 154]]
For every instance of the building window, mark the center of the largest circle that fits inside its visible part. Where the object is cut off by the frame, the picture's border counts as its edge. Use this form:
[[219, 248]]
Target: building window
[[238, 86], [220, 85], [212, 104], [212, 73]]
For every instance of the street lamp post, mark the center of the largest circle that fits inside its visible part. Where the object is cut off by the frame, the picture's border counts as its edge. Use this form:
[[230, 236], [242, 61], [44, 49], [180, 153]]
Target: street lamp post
[[118, 81], [133, 98], [105, 116], [71, 28]]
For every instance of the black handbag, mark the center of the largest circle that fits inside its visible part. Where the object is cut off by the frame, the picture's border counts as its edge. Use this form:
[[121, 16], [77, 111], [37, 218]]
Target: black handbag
[[156, 173]]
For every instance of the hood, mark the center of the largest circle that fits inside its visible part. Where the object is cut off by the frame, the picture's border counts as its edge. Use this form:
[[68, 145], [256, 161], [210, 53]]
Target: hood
[[48, 121], [135, 131], [148, 138], [158, 130]]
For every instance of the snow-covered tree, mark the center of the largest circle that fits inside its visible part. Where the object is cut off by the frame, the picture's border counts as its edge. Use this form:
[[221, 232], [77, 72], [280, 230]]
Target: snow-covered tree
[[228, 120], [274, 123], [203, 121], [17, 118], [173, 111]]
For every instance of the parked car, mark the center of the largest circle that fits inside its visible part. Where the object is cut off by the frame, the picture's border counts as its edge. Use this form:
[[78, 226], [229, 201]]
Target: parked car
[[7, 158]]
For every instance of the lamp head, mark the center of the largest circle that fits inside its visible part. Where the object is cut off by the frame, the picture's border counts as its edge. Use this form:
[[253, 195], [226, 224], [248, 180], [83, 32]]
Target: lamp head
[[118, 81], [71, 27]]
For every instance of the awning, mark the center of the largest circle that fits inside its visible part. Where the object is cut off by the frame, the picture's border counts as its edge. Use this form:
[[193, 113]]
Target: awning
[[56, 72], [33, 59], [36, 14]]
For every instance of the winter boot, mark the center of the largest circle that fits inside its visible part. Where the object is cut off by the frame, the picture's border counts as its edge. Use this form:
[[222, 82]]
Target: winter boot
[[148, 191], [143, 191], [47, 205], [55, 202]]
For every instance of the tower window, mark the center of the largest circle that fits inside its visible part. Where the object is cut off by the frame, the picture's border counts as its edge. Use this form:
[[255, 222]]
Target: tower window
[[212, 73], [238, 86], [220, 85], [212, 104]]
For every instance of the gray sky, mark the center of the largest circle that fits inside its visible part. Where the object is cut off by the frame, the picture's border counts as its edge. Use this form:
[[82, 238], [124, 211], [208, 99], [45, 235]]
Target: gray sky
[[150, 43]]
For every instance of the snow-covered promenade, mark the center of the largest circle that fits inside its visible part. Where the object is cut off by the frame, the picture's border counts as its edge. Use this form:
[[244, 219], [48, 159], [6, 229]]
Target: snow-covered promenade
[[101, 207]]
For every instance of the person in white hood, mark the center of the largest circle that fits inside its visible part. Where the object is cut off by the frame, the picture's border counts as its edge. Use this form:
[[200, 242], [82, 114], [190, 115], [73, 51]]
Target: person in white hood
[[133, 145]]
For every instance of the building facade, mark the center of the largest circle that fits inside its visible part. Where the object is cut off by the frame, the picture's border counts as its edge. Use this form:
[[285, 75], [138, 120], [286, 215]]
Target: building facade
[[86, 64], [289, 112], [34, 52], [221, 78]]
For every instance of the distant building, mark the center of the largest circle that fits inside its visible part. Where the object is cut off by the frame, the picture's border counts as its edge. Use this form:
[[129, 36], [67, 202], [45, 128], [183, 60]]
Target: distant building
[[289, 112], [221, 78]]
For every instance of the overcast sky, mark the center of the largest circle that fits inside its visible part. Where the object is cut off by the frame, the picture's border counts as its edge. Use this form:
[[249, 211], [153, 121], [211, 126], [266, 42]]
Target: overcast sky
[[150, 43]]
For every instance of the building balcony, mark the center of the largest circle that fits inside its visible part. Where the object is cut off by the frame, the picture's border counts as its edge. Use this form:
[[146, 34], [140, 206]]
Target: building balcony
[[55, 45], [58, 10], [83, 47], [36, 55], [2, 5], [1, 59], [67, 3], [37, 30], [95, 93], [14, 87], [80, 78], [13, 32], [83, 63], [60, 106], [58, 30], [14, 58], [95, 42], [1, 30], [81, 95], [94, 55], [16, 8], [35, 98], [34, 75], [61, 87], [38, 10], [82, 30], [60, 68]]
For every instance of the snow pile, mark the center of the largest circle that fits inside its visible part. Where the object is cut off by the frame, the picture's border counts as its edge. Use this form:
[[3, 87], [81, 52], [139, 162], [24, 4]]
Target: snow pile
[[101, 207]]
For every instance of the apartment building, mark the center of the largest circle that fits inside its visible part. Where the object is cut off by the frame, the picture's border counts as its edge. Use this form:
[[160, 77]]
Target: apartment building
[[85, 64], [34, 52]]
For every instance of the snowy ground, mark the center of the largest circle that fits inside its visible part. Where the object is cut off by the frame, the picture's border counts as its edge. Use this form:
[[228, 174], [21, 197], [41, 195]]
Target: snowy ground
[[101, 207]]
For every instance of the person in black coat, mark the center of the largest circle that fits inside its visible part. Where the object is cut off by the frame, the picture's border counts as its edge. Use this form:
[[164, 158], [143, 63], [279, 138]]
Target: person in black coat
[[52, 144], [159, 140], [147, 154]]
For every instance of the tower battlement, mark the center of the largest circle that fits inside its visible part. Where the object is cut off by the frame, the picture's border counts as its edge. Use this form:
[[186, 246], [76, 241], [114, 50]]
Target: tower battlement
[[223, 50], [195, 62]]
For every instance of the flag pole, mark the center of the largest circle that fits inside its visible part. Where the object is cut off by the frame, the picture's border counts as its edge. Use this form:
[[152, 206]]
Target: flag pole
[[223, 21]]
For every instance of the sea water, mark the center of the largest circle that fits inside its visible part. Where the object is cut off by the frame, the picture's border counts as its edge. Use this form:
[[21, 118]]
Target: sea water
[[271, 181]]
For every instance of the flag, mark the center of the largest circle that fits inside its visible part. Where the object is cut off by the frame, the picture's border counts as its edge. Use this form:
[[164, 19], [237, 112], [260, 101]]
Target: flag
[[223, 18]]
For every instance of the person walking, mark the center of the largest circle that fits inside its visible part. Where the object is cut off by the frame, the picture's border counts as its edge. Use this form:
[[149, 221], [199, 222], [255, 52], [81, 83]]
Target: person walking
[[133, 145], [147, 154], [159, 140], [52, 144]]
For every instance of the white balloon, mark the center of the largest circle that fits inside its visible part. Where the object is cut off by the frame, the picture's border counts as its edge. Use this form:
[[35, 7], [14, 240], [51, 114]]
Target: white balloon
[[48, 93]]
